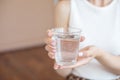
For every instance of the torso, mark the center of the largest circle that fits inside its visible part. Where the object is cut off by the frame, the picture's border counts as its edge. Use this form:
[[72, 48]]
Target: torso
[[101, 27]]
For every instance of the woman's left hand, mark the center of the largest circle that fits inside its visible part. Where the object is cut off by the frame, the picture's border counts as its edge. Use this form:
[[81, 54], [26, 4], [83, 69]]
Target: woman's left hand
[[92, 51], [85, 56]]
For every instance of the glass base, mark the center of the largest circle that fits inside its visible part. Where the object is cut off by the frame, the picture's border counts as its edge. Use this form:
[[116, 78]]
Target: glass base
[[66, 63]]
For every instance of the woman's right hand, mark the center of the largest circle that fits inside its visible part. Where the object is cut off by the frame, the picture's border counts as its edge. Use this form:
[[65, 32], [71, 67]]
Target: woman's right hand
[[50, 45]]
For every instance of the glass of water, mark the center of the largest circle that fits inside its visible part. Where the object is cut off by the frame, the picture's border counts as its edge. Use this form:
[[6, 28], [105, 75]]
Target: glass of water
[[67, 45]]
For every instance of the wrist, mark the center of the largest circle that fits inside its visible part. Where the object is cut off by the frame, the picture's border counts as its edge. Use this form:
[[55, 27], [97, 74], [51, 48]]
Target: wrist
[[100, 54]]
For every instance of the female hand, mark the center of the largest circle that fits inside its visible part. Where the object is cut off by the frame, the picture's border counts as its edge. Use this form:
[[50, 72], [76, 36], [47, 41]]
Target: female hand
[[50, 46], [85, 56]]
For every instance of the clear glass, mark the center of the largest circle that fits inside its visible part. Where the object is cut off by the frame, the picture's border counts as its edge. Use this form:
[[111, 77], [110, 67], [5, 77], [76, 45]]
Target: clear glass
[[67, 45]]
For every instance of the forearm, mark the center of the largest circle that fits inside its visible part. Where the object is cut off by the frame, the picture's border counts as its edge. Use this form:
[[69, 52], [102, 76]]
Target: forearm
[[64, 72], [111, 62]]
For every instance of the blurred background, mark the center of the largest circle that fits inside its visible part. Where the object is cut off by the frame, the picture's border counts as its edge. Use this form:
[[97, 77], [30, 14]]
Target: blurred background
[[23, 26]]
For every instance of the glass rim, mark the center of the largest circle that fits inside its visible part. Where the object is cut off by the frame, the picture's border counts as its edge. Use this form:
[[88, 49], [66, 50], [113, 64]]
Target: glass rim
[[77, 30]]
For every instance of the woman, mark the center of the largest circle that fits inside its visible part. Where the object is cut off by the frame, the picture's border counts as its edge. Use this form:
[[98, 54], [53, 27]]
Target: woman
[[100, 23]]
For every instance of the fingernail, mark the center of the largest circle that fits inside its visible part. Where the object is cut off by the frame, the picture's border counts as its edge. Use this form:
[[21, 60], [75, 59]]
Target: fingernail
[[81, 54]]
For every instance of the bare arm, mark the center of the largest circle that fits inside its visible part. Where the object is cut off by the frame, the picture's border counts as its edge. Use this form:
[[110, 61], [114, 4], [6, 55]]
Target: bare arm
[[62, 11], [111, 62], [62, 20]]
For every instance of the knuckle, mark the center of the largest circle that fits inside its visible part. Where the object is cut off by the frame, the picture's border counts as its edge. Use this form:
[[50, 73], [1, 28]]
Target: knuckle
[[46, 47], [48, 40], [51, 47], [51, 55]]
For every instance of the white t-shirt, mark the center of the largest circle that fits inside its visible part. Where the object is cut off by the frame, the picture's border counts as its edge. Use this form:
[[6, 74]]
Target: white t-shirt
[[101, 27]]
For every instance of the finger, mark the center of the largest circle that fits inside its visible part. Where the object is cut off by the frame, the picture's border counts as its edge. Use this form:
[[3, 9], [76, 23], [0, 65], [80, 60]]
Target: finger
[[51, 55], [56, 66], [83, 54], [50, 49], [82, 38], [50, 41], [86, 53], [89, 53], [49, 33], [84, 49]]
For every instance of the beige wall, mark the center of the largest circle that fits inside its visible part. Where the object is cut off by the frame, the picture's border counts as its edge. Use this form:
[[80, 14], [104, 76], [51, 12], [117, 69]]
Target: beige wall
[[23, 23]]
